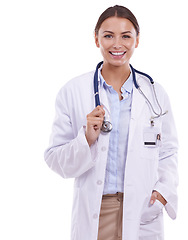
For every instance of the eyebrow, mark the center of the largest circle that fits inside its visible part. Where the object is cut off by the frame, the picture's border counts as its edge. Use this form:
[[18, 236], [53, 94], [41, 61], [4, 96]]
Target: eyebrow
[[113, 32]]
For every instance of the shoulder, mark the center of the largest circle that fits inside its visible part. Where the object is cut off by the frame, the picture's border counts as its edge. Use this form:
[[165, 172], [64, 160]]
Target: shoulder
[[152, 90], [84, 79], [79, 81], [77, 86], [144, 82]]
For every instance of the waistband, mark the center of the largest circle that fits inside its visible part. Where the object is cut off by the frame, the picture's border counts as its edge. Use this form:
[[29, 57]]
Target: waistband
[[118, 194]]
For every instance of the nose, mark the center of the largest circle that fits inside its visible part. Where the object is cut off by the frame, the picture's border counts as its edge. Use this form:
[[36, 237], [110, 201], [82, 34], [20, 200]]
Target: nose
[[117, 43]]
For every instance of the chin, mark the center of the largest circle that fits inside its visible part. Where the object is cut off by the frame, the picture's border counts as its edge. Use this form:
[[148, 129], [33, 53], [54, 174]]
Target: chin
[[118, 63]]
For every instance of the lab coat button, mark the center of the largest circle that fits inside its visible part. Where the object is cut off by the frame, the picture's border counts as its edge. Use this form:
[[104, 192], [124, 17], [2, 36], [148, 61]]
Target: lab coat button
[[99, 182], [95, 216], [103, 148]]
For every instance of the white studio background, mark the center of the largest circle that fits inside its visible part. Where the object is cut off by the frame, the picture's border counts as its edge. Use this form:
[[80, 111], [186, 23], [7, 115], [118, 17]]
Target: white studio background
[[43, 44]]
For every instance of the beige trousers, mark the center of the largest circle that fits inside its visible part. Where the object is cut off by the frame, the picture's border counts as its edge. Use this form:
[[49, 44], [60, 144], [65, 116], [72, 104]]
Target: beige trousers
[[110, 221]]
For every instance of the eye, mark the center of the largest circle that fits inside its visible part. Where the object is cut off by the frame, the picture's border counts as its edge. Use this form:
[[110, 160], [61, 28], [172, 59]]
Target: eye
[[126, 36], [108, 36]]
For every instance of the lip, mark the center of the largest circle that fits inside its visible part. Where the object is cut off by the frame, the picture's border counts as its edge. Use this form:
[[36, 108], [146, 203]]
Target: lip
[[117, 54]]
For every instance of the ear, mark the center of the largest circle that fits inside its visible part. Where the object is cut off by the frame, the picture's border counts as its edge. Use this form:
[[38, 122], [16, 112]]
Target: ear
[[97, 41], [137, 40]]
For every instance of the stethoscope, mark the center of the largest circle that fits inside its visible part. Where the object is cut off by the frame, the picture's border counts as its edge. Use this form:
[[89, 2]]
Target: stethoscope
[[107, 125]]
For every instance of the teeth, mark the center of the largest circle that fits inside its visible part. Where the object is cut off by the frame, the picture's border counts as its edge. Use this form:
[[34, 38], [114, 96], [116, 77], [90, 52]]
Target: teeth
[[117, 53]]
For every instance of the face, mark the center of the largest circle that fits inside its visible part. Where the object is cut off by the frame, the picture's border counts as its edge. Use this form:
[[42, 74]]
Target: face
[[117, 40]]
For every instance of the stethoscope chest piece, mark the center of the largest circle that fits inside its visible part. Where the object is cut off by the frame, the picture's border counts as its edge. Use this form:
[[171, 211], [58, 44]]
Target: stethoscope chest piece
[[106, 127]]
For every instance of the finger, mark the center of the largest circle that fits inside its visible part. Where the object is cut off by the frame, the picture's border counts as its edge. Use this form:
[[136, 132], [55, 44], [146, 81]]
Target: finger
[[101, 108], [96, 114], [96, 127], [153, 198], [91, 118], [95, 122], [98, 111]]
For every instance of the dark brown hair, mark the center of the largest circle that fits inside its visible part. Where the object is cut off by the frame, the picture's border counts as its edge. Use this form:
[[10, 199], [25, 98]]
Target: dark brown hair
[[117, 11]]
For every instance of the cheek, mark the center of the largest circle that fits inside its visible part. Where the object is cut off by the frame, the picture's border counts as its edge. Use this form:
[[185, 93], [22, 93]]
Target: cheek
[[105, 44], [131, 45], [103, 51], [104, 48]]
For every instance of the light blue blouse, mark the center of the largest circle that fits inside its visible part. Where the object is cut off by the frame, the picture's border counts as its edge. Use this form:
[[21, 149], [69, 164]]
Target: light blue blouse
[[120, 113]]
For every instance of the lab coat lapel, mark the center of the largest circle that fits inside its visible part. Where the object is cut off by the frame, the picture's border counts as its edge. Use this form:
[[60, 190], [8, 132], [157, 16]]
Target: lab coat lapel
[[138, 103]]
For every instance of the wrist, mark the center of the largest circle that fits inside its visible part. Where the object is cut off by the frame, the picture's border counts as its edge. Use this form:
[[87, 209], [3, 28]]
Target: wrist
[[161, 198], [89, 141]]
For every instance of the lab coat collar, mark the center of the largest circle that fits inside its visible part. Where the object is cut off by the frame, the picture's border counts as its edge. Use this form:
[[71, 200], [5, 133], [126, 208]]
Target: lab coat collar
[[102, 92]]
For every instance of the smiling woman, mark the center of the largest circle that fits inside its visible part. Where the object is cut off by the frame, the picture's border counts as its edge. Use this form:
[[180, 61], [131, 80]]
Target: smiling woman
[[117, 39], [125, 177], [117, 36]]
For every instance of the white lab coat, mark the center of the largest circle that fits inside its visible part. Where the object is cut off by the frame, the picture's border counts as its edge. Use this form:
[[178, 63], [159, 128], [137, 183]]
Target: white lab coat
[[147, 168]]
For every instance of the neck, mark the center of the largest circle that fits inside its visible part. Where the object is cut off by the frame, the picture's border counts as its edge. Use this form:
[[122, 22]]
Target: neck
[[115, 75]]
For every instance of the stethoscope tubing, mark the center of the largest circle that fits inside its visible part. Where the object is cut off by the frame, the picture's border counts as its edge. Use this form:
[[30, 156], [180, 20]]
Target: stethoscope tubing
[[97, 99], [96, 90], [96, 85], [142, 73]]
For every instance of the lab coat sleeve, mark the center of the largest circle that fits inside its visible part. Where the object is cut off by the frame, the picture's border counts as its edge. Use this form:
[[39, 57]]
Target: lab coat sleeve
[[69, 153], [167, 170]]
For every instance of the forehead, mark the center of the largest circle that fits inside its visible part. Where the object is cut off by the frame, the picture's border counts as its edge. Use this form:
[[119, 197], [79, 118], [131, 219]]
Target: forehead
[[116, 24]]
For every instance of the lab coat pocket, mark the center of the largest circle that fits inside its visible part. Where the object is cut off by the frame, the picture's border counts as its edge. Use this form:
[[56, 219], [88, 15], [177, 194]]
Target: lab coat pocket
[[151, 212]]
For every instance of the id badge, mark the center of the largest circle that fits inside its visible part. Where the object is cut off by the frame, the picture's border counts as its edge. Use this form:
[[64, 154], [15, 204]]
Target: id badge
[[152, 137]]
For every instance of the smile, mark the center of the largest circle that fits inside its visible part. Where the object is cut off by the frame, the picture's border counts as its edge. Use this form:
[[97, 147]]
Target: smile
[[117, 53]]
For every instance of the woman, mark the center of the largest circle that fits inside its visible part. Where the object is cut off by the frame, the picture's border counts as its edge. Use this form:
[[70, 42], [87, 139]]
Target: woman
[[123, 178]]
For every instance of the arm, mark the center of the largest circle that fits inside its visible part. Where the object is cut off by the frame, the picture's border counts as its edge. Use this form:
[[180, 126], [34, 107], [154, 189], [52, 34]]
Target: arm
[[165, 189], [70, 153]]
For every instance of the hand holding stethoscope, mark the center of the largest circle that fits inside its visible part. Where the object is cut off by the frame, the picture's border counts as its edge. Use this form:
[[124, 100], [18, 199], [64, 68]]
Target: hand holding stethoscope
[[95, 121]]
